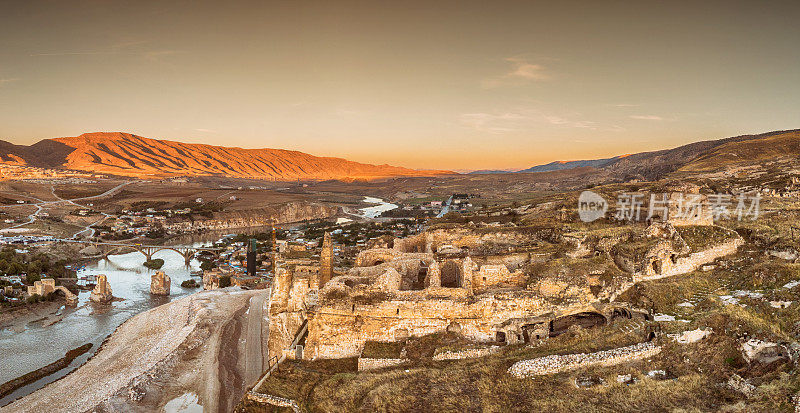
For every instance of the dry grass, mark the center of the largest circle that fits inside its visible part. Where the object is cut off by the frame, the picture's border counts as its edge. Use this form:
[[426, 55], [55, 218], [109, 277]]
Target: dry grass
[[700, 237], [381, 350]]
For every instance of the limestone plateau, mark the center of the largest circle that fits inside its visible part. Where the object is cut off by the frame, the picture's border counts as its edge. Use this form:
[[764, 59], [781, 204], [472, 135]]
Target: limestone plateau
[[124, 154]]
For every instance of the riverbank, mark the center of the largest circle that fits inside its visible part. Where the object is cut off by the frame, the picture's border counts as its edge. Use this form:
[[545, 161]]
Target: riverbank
[[184, 349], [46, 313], [11, 385]]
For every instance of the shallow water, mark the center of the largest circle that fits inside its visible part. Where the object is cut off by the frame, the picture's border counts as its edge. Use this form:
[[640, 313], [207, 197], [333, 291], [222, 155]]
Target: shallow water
[[375, 211], [186, 403], [37, 346]]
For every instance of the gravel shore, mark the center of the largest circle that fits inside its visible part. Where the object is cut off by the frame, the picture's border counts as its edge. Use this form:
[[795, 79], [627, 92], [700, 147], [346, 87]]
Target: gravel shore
[[188, 345]]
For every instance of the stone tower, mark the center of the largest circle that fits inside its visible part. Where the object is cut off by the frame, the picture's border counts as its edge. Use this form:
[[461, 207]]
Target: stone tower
[[326, 260], [274, 254], [102, 290], [160, 283]]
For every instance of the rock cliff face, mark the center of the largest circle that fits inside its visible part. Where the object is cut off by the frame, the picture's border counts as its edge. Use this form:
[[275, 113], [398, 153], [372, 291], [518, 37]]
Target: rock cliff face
[[289, 212]]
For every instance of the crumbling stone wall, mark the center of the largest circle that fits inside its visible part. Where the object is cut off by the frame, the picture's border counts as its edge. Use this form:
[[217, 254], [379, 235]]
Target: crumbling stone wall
[[558, 363], [160, 283], [339, 328], [102, 290], [693, 261], [372, 257], [493, 275]]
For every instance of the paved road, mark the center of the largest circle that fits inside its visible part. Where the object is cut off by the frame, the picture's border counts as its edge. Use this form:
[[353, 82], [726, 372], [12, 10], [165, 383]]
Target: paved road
[[41, 204], [254, 360]]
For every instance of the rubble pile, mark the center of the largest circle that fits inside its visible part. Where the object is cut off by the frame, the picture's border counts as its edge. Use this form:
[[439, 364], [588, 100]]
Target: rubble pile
[[558, 363]]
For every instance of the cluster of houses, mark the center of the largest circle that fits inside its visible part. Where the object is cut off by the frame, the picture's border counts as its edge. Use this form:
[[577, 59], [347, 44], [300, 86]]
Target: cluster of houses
[[15, 292], [456, 202], [136, 223], [34, 174], [25, 239]]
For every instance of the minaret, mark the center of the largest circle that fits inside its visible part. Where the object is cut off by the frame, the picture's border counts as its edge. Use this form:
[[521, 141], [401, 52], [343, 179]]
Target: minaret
[[274, 247], [326, 260], [251, 257]]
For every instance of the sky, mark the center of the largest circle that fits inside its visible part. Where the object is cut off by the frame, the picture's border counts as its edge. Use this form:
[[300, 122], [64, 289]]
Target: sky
[[454, 85]]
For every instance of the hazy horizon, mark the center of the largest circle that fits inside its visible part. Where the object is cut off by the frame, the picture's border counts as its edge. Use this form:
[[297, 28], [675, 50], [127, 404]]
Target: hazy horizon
[[450, 85]]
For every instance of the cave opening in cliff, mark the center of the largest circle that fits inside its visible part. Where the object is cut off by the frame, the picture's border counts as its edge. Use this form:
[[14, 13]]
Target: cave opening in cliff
[[587, 319]]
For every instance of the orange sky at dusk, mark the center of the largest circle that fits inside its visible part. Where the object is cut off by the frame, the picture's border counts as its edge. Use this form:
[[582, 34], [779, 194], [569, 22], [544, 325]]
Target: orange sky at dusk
[[444, 85]]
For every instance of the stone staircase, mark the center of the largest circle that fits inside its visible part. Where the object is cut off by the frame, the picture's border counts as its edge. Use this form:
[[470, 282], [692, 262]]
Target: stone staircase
[[273, 363], [633, 326]]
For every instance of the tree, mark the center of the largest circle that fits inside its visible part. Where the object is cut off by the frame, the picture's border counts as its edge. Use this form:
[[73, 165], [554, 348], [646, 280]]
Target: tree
[[32, 277], [15, 268], [35, 267]]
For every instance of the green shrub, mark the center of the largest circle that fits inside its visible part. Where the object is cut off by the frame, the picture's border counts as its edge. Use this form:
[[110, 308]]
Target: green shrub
[[154, 264], [190, 283]]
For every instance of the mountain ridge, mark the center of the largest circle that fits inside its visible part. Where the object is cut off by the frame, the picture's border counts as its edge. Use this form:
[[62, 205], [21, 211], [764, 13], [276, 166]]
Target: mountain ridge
[[652, 165], [125, 154]]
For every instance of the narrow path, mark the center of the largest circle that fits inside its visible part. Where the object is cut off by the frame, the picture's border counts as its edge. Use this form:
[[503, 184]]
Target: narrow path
[[254, 362], [88, 228]]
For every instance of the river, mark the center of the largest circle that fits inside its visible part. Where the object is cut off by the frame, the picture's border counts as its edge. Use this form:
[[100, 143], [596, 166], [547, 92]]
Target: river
[[376, 210], [37, 346]]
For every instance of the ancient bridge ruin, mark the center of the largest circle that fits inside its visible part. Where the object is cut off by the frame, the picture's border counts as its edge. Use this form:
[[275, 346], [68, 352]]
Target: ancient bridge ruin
[[109, 248]]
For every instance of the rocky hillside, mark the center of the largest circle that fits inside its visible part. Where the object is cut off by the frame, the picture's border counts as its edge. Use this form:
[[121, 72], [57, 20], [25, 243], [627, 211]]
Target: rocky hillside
[[741, 153], [697, 156], [125, 154], [561, 165]]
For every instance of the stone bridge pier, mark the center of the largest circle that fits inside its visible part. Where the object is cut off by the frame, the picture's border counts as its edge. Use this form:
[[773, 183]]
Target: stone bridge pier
[[105, 249], [148, 252], [187, 254]]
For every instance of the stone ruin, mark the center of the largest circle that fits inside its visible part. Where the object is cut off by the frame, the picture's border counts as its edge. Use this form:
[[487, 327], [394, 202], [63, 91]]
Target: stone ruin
[[481, 282], [47, 286], [211, 279], [102, 290], [159, 283], [457, 279]]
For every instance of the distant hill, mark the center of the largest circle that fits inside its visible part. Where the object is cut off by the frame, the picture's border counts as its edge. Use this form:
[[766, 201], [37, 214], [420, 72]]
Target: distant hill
[[698, 156], [561, 165], [491, 171], [732, 154], [125, 154]]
